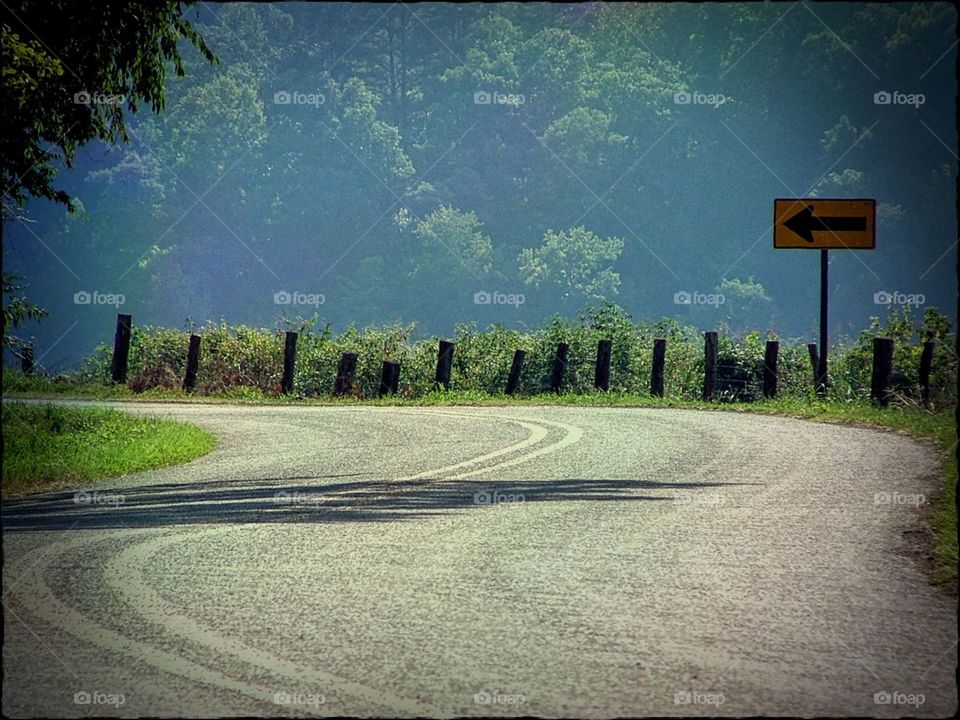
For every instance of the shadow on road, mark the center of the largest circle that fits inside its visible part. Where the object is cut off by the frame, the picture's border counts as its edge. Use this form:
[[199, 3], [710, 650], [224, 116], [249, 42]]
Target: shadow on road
[[309, 499]]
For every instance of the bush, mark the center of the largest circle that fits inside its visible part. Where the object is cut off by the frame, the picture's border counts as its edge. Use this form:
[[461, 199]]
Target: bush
[[248, 360], [158, 376]]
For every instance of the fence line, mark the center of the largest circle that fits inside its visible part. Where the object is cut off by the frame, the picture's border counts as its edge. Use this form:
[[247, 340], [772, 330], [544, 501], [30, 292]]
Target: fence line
[[345, 381]]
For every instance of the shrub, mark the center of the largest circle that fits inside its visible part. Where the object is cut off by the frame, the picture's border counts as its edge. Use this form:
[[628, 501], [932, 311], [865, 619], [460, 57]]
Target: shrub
[[158, 376], [242, 359]]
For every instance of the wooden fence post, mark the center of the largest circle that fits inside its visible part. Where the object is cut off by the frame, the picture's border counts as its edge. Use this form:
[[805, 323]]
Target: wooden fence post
[[710, 342], [815, 362], [656, 374], [513, 381], [601, 377], [559, 363], [26, 359], [770, 356], [121, 348], [346, 374], [389, 378], [444, 364], [882, 369], [193, 363], [926, 364], [289, 362]]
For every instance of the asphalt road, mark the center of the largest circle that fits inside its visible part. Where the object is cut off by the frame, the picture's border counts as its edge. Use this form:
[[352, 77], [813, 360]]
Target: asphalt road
[[546, 561]]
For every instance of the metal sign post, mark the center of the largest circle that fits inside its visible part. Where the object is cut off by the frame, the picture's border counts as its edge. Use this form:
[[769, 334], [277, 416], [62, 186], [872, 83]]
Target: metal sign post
[[822, 224]]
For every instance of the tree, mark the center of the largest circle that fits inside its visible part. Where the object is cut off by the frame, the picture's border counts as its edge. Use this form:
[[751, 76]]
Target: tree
[[68, 71], [585, 129], [450, 258], [746, 304], [575, 262], [451, 244], [16, 309]]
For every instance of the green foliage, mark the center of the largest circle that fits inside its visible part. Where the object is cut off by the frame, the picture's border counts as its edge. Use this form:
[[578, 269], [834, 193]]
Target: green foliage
[[245, 359], [402, 193], [372, 140], [451, 242], [211, 120], [746, 304], [55, 55], [16, 309], [908, 333], [51, 446], [739, 367], [582, 139], [575, 262]]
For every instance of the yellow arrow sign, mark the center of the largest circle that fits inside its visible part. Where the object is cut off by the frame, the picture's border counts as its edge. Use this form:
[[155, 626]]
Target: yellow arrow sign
[[817, 223]]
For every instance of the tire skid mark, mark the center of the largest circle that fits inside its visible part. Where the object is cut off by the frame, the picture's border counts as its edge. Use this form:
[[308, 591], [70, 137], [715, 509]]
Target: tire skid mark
[[124, 574], [573, 435], [537, 433], [44, 604]]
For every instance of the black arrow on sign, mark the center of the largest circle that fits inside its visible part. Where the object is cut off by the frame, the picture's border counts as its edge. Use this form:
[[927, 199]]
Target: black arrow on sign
[[805, 223]]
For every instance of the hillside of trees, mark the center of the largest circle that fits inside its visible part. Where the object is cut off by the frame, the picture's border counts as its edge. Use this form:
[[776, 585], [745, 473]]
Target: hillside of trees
[[456, 163]]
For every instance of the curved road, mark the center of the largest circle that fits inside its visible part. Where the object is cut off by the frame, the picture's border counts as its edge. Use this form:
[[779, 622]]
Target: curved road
[[545, 561]]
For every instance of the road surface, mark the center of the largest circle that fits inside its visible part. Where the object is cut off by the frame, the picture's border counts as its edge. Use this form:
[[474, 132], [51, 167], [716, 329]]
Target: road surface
[[545, 561]]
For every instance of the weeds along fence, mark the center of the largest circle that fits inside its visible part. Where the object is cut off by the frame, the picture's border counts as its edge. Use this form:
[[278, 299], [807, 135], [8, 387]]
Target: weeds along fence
[[606, 351]]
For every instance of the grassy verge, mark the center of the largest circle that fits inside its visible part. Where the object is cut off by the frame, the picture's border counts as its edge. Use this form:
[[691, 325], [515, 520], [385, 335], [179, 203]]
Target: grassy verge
[[938, 428], [48, 447], [16, 384]]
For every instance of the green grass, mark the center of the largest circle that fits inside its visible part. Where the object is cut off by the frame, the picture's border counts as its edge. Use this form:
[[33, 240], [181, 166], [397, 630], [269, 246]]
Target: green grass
[[16, 384], [48, 447]]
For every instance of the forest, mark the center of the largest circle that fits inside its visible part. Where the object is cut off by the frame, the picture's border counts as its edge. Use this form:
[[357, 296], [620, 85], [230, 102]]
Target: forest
[[448, 164]]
